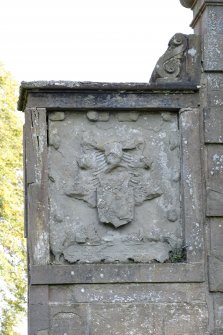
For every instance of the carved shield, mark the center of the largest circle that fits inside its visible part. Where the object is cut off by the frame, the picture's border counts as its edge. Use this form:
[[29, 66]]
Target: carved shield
[[115, 200]]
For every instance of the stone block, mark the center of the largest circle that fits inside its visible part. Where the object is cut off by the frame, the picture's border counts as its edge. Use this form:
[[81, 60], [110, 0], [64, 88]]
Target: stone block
[[218, 314], [97, 116], [69, 320], [214, 91], [214, 162], [213, 118], [42, 332], [214, 198], [177, 272], [38, 294], [38, 318], [214, 180], [213, 39], [185, 319], [38, 310], [127, 293], [189, 123], [141, 319], [216, 274], [126, 116], [56, 116], [216, 236], [125, 319]]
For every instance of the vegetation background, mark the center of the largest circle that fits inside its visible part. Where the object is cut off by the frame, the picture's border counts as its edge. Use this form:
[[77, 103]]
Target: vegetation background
[[12, 243]]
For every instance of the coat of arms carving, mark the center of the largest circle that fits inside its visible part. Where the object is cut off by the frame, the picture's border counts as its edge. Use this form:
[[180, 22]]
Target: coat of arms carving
[[113, 177], [114, 185]]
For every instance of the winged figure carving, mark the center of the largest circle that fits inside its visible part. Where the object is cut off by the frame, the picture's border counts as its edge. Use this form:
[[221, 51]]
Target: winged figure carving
[[113, 176]]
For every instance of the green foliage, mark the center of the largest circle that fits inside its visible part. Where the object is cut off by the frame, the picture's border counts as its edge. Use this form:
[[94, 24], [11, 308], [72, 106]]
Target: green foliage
[[177, 255], [12, 243]]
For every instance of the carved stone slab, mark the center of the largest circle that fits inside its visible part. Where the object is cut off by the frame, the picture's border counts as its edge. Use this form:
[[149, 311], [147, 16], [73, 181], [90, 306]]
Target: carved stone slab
[[114, 186]]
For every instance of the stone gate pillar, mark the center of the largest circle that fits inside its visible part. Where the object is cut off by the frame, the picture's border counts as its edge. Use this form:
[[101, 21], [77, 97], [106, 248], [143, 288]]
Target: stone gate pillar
[[123, 196], [208, 23]]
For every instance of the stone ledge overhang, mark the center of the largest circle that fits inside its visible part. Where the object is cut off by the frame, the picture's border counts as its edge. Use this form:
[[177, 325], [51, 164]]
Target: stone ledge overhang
[[59, 87], [198, 3]]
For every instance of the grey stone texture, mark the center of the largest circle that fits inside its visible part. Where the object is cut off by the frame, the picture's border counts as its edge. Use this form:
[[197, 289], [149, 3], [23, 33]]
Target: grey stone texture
[[208, 24], [123, 190], [181, 61], [187, 3], [112, 177]]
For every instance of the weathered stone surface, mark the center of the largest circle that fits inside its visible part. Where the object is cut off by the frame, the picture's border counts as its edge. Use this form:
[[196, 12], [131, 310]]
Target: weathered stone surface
[[56, 116], [202, 19], [42, 332], [125, 319], [136, 157], [213, 39], [180, 62], [213, 125], [69, 94], [118, 273], [129, 116], [128, 293], [119, 176], [192, 191], [39, 318], [216, 264], [186, 319], [215, 161], [169, 67], [216, 254], [215, 180], [214, 198], [131, 171], [140, 319], [187, 3], [38, 311], [216, 273], [214, 89], [216, 236], [69, 320], [218, 313], [97, 116], [36, 173]]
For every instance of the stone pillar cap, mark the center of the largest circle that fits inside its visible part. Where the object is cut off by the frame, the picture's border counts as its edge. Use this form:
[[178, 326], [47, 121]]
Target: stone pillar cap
[[187, 3]]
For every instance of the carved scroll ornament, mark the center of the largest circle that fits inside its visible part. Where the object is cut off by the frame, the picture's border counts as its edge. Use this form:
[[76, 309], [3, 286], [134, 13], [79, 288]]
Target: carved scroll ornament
[[170, 66]]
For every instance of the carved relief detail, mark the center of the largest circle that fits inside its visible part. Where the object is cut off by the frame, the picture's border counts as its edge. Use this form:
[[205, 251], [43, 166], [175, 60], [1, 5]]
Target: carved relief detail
[[114, 187], [170, 65], [113, 177]]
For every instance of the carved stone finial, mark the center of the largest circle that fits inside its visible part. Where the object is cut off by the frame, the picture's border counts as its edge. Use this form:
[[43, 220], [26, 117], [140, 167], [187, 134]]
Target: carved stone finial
[[169, 67], [187, 3]]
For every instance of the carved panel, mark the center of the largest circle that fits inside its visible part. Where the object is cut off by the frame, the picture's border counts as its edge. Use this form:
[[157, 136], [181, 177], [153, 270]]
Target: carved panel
[[114, 187]]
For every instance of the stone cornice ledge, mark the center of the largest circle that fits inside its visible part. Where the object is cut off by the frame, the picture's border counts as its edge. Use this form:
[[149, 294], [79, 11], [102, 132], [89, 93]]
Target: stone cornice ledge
[[72, 86], [187, 3], [192, 3]]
